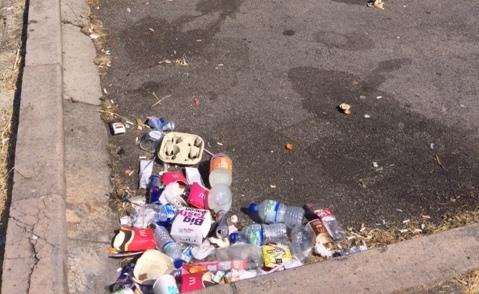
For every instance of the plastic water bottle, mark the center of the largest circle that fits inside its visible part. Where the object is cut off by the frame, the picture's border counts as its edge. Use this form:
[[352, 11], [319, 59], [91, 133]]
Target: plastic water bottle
[[258, 234], [272, 211], [220, 198], [165, 243], [302, 242]]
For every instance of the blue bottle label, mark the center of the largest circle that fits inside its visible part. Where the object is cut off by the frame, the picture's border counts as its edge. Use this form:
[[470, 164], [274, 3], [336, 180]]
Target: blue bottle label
[[270, 211]]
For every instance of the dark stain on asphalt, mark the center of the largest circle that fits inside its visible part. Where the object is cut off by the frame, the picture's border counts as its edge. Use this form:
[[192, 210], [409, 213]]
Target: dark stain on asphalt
[[354, 41], [152, 40], [289, 32], [395, 137], [223, 7]]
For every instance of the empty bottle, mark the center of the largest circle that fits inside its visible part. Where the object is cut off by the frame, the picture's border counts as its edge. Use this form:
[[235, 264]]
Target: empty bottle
[[302, 242], [220, 198], [331, 224], [258, 234], [249, 252], [220, 176], [166, 244], [221, 170], [272, 211]]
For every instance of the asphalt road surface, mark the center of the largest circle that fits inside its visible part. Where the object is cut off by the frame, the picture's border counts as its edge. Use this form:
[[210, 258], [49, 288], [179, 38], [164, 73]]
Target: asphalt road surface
[[261, 74]]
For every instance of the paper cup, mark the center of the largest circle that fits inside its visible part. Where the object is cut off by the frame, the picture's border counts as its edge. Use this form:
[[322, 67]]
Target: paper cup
[[165, 284]]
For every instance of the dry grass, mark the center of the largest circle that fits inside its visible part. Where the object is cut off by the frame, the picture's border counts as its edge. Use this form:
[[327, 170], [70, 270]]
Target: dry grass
[[469, 282], [95, 30], [413, 228], [5, 133], [11, 29]]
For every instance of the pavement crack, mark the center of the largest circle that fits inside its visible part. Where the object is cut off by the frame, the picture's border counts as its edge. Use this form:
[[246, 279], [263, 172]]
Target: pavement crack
[[36, 259], [30, 230], [32, 240]]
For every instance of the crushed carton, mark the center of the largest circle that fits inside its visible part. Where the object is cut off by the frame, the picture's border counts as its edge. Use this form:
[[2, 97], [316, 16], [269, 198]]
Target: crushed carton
[[191, 225]]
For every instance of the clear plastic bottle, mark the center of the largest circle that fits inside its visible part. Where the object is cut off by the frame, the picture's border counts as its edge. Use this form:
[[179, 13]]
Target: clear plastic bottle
[[272, 211], [220, 176], [302, 242], [331, 224], [258, 234], [166, 244], [249, 252], [220, 198]]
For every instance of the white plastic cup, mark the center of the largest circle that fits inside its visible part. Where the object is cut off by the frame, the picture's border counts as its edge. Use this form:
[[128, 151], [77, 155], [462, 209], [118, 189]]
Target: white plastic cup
[[165, 284]]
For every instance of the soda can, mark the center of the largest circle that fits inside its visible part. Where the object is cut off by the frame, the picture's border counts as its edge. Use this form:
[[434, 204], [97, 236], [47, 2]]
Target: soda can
[[160, 124]]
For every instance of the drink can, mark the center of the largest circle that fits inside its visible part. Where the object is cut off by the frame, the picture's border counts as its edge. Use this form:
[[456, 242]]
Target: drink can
[[161, 124]]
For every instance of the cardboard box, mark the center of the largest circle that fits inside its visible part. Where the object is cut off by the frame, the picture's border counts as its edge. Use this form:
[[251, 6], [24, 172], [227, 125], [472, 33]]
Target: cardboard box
[[191, 225]]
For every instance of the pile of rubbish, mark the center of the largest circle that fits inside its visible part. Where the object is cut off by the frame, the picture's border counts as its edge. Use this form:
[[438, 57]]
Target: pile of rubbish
[[181, 236]]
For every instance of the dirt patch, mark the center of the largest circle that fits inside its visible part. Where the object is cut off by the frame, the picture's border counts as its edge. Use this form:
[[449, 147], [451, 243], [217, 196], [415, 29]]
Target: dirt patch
[[12, 17]]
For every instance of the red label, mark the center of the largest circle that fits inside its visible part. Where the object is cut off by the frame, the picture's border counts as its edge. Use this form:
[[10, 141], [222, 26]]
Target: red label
[[191, 282], [197, 196], [173, 177]]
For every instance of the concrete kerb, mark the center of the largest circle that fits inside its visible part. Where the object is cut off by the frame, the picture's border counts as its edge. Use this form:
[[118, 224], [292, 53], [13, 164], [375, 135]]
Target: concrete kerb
[[422, 261], [36, 235]]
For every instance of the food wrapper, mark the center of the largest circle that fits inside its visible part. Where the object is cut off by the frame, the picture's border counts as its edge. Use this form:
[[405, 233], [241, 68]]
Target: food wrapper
[[276, 254]]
